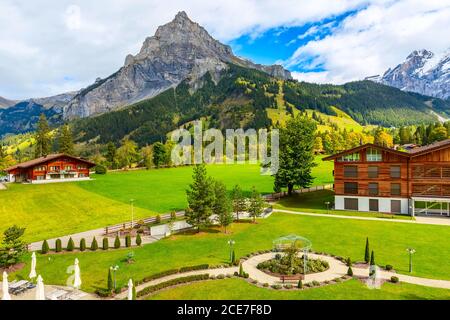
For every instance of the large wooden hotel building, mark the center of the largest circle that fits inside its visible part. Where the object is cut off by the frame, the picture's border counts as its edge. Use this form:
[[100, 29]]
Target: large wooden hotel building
[[375, 178]]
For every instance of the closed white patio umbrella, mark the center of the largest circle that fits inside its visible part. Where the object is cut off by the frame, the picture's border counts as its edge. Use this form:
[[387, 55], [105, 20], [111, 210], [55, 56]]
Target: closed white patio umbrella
[[33, 266], [5, 287], [40, 291], [130, 289], [77, 280]]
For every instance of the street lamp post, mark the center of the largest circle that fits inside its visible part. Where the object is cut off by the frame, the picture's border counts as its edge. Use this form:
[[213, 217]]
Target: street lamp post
[[328, 206], [114, 269], [411, 251], [231, 244], [132, 213]]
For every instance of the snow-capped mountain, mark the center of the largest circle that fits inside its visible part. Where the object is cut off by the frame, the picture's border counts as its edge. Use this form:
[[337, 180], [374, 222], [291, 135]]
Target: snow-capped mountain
[[423, 72]]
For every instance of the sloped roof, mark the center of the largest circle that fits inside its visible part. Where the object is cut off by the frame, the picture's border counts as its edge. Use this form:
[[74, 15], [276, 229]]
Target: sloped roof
[[364, 146], [50, 157], [430, 147]]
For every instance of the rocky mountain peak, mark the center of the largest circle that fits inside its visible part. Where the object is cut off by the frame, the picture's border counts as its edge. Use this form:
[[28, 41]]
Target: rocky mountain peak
[[423, 72], [179, 50]]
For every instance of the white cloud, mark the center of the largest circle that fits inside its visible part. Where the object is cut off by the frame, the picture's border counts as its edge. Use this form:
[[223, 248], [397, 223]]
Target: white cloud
[[378, 37], [43, 42]]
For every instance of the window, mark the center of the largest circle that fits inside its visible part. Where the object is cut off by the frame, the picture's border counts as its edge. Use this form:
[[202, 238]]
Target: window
[[396, 206], [82, 175], [373, 189], [81, 166], [395, 171], [350, 204], [39, 168], [372, 172], [395, 189], [350, 157], [351, 187], [373, 154], [40, 178], [54, 168], [351, 171], [373, 204], [68, 168]]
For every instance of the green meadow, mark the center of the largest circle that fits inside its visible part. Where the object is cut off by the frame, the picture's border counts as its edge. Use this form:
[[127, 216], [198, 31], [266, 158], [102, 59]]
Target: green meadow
[[58, 209]]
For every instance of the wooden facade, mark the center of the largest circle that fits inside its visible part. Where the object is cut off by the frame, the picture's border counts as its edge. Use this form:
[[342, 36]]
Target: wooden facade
[[56, 167], [377, 172]]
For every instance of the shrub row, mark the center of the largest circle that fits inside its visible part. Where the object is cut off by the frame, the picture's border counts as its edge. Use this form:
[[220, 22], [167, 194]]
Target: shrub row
[[174, 271], [94, 244], [172, 282]]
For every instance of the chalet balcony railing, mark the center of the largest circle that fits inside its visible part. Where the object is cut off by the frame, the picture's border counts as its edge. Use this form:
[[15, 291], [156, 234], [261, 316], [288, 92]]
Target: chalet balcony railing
[[433, 190], [430, 172]]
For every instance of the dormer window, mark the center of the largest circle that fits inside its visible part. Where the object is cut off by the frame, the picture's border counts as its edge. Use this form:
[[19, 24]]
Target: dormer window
[[373, 154]]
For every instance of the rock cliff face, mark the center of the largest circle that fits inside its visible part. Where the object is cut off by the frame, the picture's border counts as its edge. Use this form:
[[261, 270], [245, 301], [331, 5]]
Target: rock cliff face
[[178, 51], [422, 72]]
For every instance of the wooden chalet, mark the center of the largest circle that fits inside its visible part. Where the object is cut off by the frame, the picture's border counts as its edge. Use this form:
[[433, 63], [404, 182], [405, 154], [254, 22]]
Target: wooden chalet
[[379, 179], [52, 168]]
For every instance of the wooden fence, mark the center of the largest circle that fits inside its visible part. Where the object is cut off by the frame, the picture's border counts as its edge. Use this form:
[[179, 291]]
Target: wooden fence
[[277, 196]]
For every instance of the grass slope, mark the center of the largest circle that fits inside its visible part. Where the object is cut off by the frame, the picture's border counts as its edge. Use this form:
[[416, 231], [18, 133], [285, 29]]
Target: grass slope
[[344, 237], [238, 289]]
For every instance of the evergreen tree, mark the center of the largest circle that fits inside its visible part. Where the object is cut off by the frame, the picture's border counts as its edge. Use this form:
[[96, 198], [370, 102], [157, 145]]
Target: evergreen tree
[[300, 284], [256, 204], [296, 157], [70, 245], [222, 206], [117, 242], [83, 244], [350, 272], [159, 154], [128, 241], [111, 155], [200, 197], [94, 244], [238, 201], [105, 245], [110, 282], [13, 247], [43, 143], [372, 259], [65, 140], [138, 239], [58, 245], [45, 247], [233, 257], [367, 251]]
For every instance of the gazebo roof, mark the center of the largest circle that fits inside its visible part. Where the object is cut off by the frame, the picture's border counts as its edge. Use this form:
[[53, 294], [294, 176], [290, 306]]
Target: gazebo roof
[[292, 239]]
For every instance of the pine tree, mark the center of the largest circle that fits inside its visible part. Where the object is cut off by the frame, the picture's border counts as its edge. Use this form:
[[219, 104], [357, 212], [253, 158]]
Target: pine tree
[[238, 201], [296, 158], [128, 241], [222, 206], [256, 204], [105, 245], [111, 155], [65, 140], [45, 247], [233, 257], [43, 144], [350, 272], [138, 239], [159, 154], [300, 284], [117, 242], [200, 197], [12, 247], [367, 251]]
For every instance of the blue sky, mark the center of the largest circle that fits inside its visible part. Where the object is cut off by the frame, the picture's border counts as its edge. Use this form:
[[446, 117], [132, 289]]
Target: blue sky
[[70, 43]]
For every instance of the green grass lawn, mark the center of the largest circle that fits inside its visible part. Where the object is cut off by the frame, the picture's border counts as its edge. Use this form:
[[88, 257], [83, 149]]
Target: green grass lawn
[[314, 202], [238, 289], [344, 237], [54, 210]]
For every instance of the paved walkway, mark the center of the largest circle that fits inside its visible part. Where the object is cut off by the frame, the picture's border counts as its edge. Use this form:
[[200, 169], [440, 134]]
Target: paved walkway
[[419, 220], [337, 269], [211, 272], [2, 186]]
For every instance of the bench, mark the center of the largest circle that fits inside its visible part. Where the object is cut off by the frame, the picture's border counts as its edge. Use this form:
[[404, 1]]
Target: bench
[[292, 278]]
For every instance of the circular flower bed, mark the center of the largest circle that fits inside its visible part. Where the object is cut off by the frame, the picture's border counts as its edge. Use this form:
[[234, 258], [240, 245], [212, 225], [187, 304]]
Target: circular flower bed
[[290, 265]]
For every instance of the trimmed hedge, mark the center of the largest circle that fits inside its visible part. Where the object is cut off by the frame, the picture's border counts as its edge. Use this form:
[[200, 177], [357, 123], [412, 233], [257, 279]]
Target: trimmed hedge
[[58, 245], [105, 244], [117, 242], [70, 245], [45, 247], [83, 244], [192, 268], [394, 279], [172, 282], [94, 244], [128, 241]]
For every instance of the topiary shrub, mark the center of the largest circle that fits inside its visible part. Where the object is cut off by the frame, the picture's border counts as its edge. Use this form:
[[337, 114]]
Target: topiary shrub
[[265, 285], [276, 286], [70, 245], [367, 251], [128, 241], [300, 284], [315, 283], [348, 262], [58, 245], [241, 270], [158, 219], [117, 242], [110, 282], [105, 244], [394, 279], [389, 267], [173, 215], [138, 240], [94, 244], [45, 248], [220, 276], [350, 272], [288, 286], [83, 244]]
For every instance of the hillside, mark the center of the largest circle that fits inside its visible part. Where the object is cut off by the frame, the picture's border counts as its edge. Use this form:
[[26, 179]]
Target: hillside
[[250, 98]]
